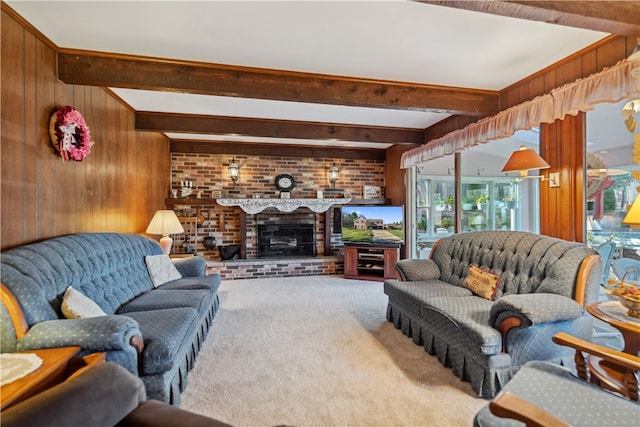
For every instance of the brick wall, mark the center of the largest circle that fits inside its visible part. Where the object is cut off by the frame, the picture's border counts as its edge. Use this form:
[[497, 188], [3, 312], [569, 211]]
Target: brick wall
[[209, 172]]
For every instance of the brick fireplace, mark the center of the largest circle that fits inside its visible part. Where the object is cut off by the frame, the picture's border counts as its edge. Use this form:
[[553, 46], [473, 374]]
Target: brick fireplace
[[231, 226]]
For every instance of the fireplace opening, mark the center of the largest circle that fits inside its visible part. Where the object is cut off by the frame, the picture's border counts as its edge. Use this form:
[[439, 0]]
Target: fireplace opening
[[285, 240]]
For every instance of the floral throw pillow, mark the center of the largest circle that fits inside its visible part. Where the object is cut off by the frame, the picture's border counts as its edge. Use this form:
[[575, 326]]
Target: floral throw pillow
[[481, 282]]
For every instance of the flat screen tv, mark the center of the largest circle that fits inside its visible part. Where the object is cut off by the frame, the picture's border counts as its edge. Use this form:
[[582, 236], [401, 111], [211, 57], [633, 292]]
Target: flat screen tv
[[380, 225]]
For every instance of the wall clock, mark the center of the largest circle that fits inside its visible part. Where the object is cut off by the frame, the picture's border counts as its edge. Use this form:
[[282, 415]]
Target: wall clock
[[285, 182]]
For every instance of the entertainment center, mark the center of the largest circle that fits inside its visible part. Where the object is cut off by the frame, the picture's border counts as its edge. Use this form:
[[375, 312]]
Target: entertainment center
[[370, 262]]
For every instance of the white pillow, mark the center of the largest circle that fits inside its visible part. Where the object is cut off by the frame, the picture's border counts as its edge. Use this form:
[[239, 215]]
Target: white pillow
[[76, 305], [161, 269]]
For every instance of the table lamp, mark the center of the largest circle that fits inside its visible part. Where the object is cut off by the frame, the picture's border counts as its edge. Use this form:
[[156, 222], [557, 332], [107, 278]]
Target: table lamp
[[165, 222]]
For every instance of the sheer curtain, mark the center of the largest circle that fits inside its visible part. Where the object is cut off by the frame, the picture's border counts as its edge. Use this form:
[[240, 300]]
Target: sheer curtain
[[610, 85]]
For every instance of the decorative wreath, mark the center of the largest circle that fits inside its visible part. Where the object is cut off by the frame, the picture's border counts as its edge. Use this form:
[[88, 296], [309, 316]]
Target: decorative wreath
[[69, 134]]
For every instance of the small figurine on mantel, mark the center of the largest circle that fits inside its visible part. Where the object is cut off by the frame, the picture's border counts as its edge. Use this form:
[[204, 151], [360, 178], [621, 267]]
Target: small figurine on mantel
[[187, 187]]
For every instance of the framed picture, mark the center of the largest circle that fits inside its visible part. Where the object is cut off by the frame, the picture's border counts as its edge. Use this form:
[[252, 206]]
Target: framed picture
[[257, 195], [216, 194], [371, 192], [285, 195]]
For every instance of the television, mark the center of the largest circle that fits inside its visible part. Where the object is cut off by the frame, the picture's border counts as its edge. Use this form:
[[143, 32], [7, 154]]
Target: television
[[376, 225]]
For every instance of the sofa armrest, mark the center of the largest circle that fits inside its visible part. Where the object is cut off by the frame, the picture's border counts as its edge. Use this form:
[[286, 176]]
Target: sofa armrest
[[98, 396], [524, 310], [104, 333], [417, 269], [191, 267], [152, 413], [534, 309], [508, 405]]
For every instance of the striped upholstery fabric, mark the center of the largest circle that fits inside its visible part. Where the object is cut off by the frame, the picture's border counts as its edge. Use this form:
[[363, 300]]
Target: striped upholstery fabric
[[537, 284]]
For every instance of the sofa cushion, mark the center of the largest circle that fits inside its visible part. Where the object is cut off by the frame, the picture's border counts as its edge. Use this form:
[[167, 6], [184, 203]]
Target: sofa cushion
[[165, 333], [481, 282], [158, 299], [211, 282], [422, 290], [161, 269], [76, 305], [471, 315]]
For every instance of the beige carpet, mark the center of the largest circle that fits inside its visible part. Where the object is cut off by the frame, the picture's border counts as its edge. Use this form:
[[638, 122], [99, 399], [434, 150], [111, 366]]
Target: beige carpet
[[318, 351]]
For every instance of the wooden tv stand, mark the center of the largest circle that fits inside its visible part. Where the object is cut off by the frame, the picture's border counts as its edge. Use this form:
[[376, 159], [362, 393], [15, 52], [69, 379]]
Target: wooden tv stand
[[370, 262]]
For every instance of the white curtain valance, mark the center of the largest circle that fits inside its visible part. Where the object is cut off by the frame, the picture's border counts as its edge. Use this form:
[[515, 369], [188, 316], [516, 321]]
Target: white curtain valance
[[610, 85]]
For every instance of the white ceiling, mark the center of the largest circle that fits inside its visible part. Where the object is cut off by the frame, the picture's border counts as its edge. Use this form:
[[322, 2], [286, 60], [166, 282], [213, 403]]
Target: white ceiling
[[391, 40]]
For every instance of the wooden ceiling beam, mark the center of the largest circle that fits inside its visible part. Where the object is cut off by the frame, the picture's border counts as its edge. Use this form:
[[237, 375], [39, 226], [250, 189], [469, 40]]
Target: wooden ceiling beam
[[615, 17], [191, 123], [250, 149], [124, 71]]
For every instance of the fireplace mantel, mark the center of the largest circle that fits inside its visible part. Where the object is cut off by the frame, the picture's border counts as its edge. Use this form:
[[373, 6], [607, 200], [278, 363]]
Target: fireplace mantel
[[254, 206]]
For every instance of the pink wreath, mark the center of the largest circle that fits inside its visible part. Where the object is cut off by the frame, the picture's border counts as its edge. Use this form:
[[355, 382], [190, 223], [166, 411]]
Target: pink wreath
[[69, 134]]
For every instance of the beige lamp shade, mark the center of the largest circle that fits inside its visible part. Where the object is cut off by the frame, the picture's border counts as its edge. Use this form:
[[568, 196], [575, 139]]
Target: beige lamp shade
[[165, 222], [524, 160]]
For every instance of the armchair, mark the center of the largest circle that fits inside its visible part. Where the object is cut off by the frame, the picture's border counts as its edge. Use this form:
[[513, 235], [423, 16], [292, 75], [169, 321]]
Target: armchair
[[544, 394]]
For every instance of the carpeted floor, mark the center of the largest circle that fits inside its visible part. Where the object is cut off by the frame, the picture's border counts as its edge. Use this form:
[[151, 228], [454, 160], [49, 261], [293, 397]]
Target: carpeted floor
[[318, 351]]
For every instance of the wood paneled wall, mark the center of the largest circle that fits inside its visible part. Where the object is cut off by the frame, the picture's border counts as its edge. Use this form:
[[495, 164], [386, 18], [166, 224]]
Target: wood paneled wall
[[582, 64], [117, 188], [562, 209]]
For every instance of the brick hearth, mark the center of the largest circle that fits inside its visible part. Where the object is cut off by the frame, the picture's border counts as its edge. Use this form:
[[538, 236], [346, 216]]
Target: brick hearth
[[262, 268]]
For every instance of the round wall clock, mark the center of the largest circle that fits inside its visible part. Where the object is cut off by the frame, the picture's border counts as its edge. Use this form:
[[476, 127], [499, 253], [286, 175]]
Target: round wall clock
[[285, 182]]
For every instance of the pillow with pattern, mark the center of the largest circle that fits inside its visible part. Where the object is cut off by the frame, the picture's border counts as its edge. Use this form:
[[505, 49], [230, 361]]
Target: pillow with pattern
[[76, 305], [161, 269], [481, 282]]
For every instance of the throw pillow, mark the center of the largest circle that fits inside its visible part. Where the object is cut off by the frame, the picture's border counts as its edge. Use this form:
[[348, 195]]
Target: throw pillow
[[161, 269], [76, 305], [481, 282]]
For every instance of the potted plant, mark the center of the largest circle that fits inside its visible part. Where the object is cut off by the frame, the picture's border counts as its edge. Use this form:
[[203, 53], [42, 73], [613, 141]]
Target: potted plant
[[510, 200], [449, 201], [467, 203], [482, 200]]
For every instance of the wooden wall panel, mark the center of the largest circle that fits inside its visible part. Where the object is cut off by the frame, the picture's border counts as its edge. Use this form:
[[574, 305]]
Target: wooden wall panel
[[562, 209], [395, 179], [590, 60], [117, 188]]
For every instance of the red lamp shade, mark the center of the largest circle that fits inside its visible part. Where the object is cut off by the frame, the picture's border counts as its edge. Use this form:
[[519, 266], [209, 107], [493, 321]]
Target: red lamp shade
[[524, 160]]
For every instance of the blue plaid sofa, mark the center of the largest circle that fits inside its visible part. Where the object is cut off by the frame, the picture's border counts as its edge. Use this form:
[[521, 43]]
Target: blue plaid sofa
[[155, 333], [543, 288]]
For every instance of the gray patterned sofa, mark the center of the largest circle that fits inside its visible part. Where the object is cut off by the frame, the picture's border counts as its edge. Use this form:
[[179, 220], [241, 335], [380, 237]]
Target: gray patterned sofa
[[152, 332], [543, 286]]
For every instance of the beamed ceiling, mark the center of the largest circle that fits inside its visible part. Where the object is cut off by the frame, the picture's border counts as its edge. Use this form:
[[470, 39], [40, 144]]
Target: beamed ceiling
[[345, 79]]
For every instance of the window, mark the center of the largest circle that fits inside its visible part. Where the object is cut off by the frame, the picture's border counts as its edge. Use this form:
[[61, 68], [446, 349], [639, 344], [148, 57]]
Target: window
[[489, 200], [610, 185]]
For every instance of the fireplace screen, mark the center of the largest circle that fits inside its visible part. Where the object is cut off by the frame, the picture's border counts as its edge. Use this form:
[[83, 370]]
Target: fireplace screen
[[282, 240]]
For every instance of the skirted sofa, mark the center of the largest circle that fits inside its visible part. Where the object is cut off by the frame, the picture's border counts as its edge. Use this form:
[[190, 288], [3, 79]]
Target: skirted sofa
[[487, 302], [153, 332]]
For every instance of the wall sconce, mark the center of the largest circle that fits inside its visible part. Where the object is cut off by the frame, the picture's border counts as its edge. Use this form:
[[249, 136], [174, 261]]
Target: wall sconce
[[234, 171], [165, 222], [524, 160], [334, 173]]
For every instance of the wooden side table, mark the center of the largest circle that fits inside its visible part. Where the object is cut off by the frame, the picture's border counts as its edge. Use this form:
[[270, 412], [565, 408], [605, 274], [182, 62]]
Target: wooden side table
[[613, 313], [58, 364]]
